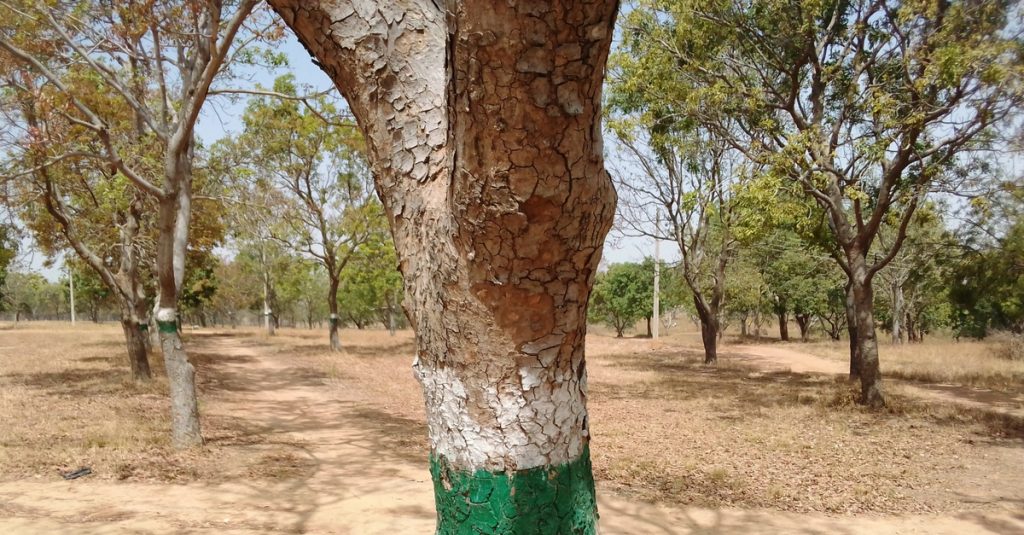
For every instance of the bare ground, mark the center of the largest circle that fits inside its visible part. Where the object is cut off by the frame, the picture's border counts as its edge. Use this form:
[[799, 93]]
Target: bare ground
[[303, 441]]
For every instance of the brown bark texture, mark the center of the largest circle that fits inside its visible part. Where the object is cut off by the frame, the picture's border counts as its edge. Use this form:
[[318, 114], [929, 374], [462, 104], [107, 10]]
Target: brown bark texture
[[483, 133]]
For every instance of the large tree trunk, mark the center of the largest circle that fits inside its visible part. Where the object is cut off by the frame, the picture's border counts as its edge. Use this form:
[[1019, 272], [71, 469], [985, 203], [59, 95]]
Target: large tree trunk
[[482, 123], [851, 328], [867, 342]]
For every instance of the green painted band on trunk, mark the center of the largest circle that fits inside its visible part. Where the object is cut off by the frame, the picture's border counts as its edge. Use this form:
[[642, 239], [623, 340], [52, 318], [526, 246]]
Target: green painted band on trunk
[[167, 326], [143, 326], [547, 500]]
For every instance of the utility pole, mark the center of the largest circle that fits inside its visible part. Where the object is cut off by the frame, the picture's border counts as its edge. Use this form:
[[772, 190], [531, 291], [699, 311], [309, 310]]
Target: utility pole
[[655, 316], [71, 283]]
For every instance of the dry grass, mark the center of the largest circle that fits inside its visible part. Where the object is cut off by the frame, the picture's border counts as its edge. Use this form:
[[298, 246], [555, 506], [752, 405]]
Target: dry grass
[[665, 427], [668, 429], [67, 401], [967, 362]]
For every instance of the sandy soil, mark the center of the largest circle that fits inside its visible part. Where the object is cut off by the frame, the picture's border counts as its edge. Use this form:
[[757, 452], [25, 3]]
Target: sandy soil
[[354, 472]]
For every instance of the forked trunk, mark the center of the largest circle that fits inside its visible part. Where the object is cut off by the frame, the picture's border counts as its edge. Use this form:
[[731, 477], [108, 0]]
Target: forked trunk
[[135, 343], [481, 120]]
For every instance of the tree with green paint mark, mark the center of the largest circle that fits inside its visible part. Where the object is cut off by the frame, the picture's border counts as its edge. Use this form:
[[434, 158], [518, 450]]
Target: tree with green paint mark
[[482, 128]]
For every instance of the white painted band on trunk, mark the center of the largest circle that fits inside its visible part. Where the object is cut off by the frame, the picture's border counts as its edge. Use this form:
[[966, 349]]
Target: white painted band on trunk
[[334, 316], [523, 426], [166, 314]]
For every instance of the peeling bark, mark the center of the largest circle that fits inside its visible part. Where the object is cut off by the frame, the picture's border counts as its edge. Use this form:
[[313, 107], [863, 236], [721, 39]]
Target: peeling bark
[[482, 124]]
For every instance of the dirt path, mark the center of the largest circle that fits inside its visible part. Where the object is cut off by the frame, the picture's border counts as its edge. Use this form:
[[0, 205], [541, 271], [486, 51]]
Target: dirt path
[[352, 480], [784, 358]]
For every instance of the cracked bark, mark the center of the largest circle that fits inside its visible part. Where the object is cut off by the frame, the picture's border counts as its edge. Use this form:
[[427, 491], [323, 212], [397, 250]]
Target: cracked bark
[[482, 124]]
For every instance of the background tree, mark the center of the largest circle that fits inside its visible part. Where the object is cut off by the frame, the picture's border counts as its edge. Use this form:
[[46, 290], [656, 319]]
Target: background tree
[[371, 285], [30, 296], [235, 291], [79, 204], [796, 276], [862, 106], [624, 294], [916, 297], [746, 295], [987, 284], [618, 297], [91, 295], [328, 199], [482, 127], [160, 60]]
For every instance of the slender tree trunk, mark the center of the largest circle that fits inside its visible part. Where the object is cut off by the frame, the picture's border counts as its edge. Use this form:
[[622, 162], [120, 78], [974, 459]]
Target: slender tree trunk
[[783, 326], [268, 320], [181, 374], [391, 314], [482, 122], [912, 333], [851, 328], [867, 342], [334, 321], [897, 312], [650, 334]]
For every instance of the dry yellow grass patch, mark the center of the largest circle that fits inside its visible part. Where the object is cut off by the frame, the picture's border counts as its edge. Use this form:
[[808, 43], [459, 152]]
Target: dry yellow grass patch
[[967, 362], [67, 401], [667, 428]]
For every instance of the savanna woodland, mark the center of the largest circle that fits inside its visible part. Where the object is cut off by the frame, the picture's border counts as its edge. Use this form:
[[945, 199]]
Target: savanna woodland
[[791, 228]]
